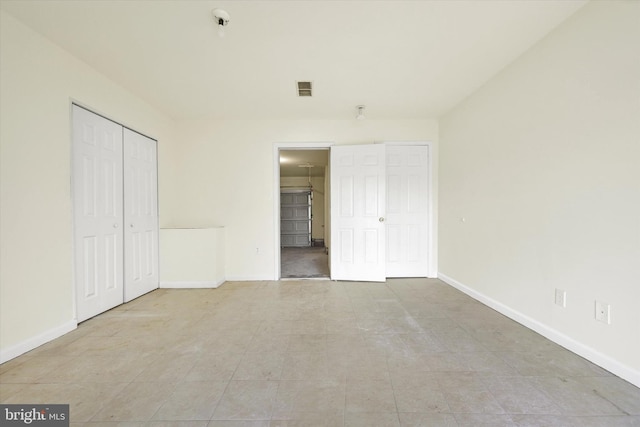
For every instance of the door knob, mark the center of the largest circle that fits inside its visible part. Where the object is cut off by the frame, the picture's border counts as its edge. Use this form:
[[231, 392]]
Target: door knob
[[131, 225], [381, 219], [115, 225]]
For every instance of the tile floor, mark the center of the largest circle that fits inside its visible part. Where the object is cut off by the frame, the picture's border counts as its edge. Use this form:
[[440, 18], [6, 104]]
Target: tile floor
[[315, 353]]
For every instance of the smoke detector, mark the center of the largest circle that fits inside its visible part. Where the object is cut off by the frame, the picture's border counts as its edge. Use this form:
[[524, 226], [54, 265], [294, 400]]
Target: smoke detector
[[222, 19]]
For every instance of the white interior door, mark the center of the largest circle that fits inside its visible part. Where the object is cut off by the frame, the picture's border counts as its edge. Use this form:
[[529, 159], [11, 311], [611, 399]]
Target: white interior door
[[97, 208], [140, 215], [357, 212], [407, 211]]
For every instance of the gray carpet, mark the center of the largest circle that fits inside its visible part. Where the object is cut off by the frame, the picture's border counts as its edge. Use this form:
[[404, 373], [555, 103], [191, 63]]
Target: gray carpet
[[304, 262]]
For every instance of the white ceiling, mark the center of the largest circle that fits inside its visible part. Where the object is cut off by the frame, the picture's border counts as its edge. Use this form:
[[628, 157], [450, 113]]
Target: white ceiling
[[402, 59]]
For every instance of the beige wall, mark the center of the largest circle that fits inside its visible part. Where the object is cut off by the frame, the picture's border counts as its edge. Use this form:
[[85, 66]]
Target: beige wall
[[38, 80], [191, 257], [543, 163], [212, 154]]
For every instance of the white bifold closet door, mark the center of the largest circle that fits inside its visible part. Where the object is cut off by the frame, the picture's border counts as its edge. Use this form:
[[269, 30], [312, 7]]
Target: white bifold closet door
[[97, 207], [357, 213], [379, 211], [140, 215], [407, 211], [115, 213]]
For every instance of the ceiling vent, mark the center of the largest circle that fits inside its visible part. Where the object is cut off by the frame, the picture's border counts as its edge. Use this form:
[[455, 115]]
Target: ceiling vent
[[304, 88]]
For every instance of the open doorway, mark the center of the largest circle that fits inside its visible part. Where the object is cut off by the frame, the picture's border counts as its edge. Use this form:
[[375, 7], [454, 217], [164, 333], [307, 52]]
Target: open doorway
[[303, 213]]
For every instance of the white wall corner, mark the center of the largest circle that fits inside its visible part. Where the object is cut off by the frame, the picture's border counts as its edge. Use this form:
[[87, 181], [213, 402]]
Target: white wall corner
[[36, 341], [623, 371]]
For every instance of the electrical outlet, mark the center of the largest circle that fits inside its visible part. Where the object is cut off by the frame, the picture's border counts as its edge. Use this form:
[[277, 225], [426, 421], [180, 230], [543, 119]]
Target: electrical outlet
[[603, 312], [561, 298]]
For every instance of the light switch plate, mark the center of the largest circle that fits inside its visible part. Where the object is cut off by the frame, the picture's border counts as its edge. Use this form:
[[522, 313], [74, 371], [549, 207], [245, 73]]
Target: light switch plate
[[561, 298]]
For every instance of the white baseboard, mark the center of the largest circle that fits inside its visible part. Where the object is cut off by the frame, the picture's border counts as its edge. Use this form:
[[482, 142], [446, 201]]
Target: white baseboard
[[249, 278], [623, 371], [191, 285], [34, 342]]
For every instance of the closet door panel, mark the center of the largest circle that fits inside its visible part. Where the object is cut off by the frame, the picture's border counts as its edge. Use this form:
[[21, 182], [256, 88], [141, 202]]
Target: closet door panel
[[97, 211], [407, 211], [358, 212], [141, 215]]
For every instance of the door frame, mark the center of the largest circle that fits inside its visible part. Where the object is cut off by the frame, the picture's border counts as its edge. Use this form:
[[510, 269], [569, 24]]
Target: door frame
[[277, 146]]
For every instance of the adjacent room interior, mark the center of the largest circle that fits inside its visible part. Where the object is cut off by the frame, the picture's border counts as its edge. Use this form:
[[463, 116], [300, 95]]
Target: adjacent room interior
[[488, 150], [303, 209]]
